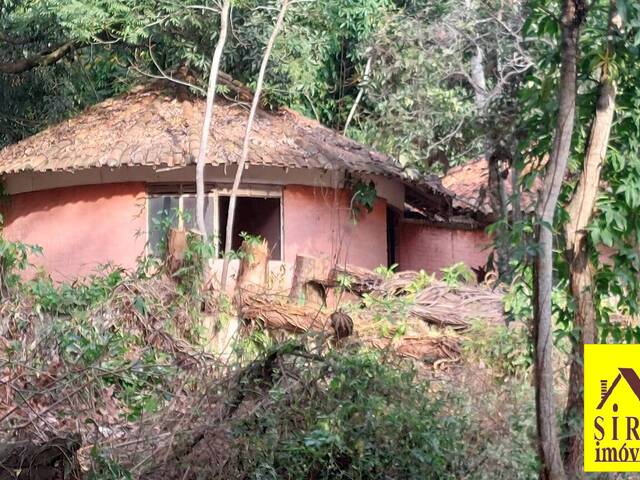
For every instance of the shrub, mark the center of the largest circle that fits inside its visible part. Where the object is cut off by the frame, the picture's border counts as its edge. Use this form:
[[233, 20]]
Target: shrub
[[507, 351], [14, 258], [355, 415]]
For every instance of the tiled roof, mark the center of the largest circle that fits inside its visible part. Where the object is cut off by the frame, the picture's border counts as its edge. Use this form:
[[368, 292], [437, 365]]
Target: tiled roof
[[154, 126], [469, 183]]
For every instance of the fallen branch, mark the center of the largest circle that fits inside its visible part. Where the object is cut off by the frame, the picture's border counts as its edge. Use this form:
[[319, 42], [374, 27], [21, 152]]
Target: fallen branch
[[53, 459]]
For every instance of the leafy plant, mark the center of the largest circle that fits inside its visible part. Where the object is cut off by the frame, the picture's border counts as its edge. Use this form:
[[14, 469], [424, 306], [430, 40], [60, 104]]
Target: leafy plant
[[386, 272], [457, 274], [507, 351], [360, 418], [14, 260], [65, 298], [197, 254], [104, 468], [363, 199]]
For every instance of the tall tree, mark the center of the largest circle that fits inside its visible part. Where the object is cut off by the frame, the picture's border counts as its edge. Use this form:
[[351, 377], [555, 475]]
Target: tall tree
[[228, 244], [581, 270], [208, 116], [572, 17]]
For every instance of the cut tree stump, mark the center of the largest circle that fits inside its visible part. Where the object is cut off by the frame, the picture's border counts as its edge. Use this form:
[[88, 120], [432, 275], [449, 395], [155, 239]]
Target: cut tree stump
[[253, 271], [309, 276], [251, 280], [274, 312], [176, 248]]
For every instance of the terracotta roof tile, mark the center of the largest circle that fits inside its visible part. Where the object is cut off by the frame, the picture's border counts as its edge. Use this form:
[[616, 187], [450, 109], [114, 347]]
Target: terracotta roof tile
[[154, 126], [469, 183]]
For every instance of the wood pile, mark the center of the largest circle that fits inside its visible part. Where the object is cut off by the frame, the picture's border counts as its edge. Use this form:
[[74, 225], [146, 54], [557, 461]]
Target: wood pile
[[429, 330]]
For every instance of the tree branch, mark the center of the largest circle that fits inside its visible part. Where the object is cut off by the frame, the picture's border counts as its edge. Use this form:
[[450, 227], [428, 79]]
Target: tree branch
[[47, 57]]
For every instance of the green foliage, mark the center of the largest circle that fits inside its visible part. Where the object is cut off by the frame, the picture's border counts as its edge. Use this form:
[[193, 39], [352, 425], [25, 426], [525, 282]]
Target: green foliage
[[104, 468], [99, 333], [362, 418], [66, 299], [421, 103], [386, 272], [612, 242], [517, 300], [457, 274], [418, 105], [507, 351], [359, 414], [197, 254], [252, 241], [139, 383], [14, 260], [364, 198]]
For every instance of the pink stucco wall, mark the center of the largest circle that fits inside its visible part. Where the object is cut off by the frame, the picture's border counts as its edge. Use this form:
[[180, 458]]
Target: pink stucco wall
[[317, 223], [80, 228], [429, 248]]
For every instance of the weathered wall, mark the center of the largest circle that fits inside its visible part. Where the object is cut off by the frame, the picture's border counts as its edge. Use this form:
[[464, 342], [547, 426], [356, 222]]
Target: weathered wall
[[388, 188], [80, 227], [429, 248], [316, 222]]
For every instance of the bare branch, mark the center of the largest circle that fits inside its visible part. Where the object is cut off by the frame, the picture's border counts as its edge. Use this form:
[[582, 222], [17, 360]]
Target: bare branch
[[354, 107], [47, 57]]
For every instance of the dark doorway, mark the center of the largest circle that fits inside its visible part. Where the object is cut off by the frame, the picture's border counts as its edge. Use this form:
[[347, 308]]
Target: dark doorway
[[392, 224]]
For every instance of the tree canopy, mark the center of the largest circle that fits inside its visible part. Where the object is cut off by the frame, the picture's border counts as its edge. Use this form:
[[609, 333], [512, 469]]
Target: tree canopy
[[440, 74]]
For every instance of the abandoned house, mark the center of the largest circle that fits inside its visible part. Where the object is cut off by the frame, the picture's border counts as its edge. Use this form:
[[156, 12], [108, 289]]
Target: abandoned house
[[99, 187], [462, 236]]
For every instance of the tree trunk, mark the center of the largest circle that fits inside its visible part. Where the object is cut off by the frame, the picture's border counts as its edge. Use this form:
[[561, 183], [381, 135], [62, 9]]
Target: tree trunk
[[306, 286], [206, 123], [580, 211], [251, 282], [245, 145], [253, 271], [573, 12]]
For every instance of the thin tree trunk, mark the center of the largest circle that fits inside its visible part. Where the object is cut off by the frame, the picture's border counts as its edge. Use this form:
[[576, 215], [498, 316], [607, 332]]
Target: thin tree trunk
[[354, 107], [580, 211], [496, 157], [548, 444], [208, 115], [245, 146]]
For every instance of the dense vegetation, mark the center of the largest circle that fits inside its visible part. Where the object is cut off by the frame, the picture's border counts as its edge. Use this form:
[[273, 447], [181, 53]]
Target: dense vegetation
[[118, 358], [442, 84], [421, 97]]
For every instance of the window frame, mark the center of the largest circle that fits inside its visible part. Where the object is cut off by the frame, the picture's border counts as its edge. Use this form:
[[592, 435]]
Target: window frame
[[214, 192]]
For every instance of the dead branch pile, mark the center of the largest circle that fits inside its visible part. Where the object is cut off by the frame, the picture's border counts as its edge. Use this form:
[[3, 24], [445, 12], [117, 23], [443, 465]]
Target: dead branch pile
[[409, 313], [91, 373], [436, 302]]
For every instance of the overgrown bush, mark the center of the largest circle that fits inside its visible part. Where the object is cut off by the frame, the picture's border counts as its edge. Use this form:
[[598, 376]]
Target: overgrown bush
[[363, 415], [507, 351], [116, 356], [354, 416], [14, 258]]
